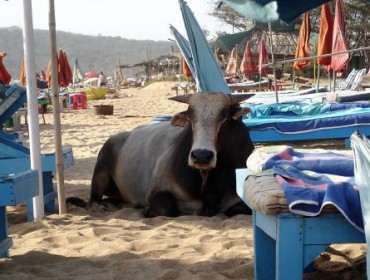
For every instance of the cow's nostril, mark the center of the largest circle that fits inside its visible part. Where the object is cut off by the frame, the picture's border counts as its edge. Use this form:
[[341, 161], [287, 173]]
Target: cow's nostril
[[202, 156]]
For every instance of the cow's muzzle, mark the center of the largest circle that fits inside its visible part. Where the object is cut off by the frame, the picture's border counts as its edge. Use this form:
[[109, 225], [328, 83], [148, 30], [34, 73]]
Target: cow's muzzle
[[202, 159]]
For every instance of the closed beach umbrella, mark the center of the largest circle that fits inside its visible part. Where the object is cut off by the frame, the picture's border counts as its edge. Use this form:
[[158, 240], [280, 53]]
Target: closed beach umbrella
[[324, 43], [4, 75], [303, 48], [76, 76], [262, 58], [185, 68], [65, 68], [208, 74], [247, 66], [339, 61], [231, 65], [22, 74]]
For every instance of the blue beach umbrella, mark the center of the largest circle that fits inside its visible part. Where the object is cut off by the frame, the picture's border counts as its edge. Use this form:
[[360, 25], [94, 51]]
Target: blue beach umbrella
[[207, 72]]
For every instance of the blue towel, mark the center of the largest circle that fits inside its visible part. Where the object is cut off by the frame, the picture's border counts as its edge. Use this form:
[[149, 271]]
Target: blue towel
[[312, 181]]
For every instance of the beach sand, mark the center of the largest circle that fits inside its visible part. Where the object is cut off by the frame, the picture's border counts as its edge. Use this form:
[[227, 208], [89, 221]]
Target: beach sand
[[122, 244]]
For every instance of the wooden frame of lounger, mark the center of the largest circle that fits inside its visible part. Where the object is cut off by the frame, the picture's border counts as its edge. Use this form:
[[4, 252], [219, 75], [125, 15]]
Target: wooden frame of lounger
[[285, 244]]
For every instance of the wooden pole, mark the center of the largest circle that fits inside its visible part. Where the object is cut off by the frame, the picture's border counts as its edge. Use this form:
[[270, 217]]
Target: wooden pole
[[273, 64], [56, 111]]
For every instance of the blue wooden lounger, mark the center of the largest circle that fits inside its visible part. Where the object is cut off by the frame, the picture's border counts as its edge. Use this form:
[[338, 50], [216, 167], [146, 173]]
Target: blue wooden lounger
[[288, 122], [285, 244], [14, 189], [15, 157]]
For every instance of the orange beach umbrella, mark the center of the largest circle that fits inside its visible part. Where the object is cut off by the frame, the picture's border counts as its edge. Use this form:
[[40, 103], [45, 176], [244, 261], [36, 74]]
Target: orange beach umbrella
[[22, 74], [324, 43], [303, 48], [185, 68], [231, 66]]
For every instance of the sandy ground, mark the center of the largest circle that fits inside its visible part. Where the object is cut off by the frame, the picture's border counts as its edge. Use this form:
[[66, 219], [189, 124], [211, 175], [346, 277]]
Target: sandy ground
[[123, 244]]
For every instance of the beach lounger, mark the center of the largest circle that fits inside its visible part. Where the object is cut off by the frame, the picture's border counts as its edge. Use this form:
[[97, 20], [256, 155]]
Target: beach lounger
[[15, 158], [287, 122], [299, 207], [353, 80], [14, 189]]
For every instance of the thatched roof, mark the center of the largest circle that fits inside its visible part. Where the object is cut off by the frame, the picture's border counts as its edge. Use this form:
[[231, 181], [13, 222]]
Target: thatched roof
[[284, 42]]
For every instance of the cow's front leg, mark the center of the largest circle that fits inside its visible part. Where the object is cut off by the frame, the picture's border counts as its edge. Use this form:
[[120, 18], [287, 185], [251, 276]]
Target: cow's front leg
[[161, 204]]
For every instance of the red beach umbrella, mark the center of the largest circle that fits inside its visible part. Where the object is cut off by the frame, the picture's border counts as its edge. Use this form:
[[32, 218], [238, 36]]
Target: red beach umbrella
[[325, 36], [339, 61], [303, 48], [247, 65], [231, 66], [5, 77], [64, 70], [262, 58]]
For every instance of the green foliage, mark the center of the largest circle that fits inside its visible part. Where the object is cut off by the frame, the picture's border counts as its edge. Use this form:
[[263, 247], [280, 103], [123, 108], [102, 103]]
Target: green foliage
[[94, 53]]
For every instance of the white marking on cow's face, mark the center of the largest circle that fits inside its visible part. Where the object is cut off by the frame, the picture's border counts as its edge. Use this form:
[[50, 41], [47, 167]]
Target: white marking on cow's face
[[206, 113]]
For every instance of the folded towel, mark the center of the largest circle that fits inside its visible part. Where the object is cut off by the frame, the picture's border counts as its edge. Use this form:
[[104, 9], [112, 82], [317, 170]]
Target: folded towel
[[308, 193], [312, 180]]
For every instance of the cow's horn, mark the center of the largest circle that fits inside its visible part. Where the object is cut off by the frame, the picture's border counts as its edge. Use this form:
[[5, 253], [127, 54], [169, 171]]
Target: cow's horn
[[237, 98], [181, 98]]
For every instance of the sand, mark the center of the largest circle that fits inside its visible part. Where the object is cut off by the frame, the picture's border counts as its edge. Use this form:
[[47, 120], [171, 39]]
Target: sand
[[122, 244]]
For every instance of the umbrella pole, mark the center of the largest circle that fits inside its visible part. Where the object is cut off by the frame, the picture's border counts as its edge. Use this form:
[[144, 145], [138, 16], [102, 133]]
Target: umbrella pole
[[334, 80], [259, 86], [293, 79], [318, 78], [273, 64], [32, 107], [56, 111]]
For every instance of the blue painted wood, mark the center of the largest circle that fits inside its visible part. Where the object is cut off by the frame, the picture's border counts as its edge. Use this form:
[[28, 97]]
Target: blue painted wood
[[285, 244], [14, 158], [14, 189], [271, 135], [15, 105], [17, 188]]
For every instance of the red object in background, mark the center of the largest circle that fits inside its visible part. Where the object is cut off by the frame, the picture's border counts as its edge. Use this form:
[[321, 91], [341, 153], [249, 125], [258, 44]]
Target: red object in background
[[339, 62], [262, 58], [63, 68], [5, 77], [247, 65]]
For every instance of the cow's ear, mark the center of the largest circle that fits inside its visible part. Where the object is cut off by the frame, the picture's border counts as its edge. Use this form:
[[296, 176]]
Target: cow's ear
[[240, 112], [179, 119]]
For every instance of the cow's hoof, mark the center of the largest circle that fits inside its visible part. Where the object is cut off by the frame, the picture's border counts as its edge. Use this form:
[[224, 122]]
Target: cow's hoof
[[149, 212], [98, 207]]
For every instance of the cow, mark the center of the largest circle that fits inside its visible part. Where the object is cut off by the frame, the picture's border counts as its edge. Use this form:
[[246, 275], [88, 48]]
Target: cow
[[185, 166]]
